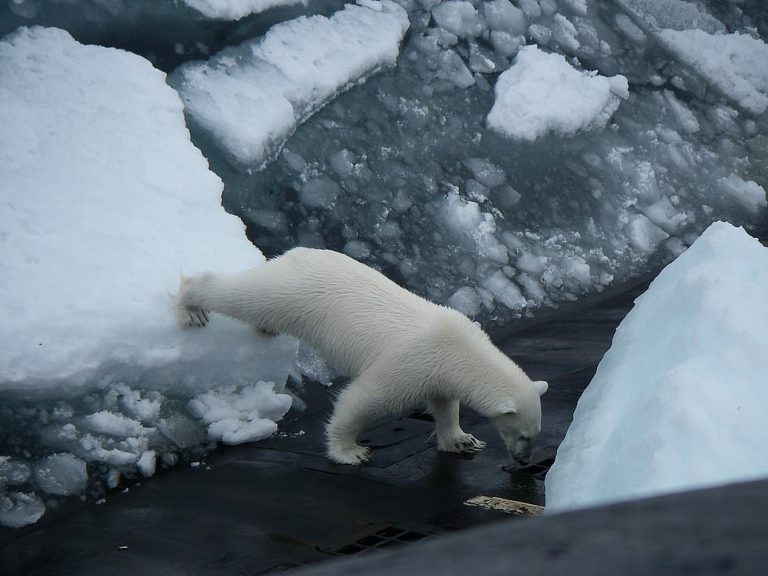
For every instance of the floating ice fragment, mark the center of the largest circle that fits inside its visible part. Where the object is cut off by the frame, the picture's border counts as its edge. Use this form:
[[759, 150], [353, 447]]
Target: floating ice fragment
[[13, 472], [252, 97], [238, 414], [466, 301], [146, 463], [113, 424], [236, 9], [19, 509], [736, 64], [504, 290], [61, 474], [747, 193], [503, 16], [486, 172], [543, 93], [644, 235], [458, 17]]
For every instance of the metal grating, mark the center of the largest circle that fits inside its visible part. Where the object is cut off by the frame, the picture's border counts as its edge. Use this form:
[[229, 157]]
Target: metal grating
[[389, 537]]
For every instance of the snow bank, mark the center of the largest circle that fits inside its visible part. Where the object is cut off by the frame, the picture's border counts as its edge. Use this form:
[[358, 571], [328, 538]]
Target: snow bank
[[236, 9], [736, 64], [679, 401], [251, 98], [105, 203], [543, 93]]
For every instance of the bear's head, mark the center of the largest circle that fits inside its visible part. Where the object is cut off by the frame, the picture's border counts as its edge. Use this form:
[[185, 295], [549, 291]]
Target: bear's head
[[518, 419]]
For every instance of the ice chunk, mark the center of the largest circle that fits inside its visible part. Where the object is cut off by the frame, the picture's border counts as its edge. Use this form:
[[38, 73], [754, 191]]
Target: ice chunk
[[543, 93], [238, 414], [505, 43], [748, 194], [564, 33], [474, 227], [319, 192], [644, 235], [19, 509], [147, 463], [357, 249], [112, 424], [181, 430], [458, 17], [13, 472], [236, 9], [736, 64], [234, 431], [629, 28], [530, 8], [504, 16], [678, 402], [685, 118], [486, 172], [674, 14], [61, 474], [466, 301], [504, 290], [447, 64], [252, 97], [578, 7]]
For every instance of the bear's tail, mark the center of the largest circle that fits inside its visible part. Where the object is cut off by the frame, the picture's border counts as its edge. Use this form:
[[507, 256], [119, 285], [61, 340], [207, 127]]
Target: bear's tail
[[188, 315]]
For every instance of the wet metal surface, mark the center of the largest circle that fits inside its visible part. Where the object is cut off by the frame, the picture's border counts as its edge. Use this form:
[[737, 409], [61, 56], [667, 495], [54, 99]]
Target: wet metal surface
[[278, 504]]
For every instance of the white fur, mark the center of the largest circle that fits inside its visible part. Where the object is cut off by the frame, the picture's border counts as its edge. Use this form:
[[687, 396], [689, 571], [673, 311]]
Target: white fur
[[400, 349]]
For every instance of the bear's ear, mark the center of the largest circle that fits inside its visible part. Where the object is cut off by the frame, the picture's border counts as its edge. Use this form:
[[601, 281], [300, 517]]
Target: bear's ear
[[506, 407], [541, 386]]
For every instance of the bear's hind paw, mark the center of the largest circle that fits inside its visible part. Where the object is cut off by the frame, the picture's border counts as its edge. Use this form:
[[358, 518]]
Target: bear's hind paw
[[355, 456]]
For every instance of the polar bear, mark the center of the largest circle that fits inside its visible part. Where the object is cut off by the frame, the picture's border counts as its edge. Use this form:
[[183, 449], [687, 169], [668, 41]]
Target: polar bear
[[400, 349]]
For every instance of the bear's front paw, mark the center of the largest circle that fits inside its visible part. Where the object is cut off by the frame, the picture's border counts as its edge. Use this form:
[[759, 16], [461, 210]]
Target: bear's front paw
[[355, 455], [462, 443], [192, 318]]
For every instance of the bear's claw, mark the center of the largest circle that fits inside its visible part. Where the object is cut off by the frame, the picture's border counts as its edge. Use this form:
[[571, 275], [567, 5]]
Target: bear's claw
[[462, 443], [193, 318], [354, 456]]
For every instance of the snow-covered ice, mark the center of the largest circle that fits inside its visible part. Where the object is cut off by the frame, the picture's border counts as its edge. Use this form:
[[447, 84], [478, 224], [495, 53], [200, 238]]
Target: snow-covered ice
[[679, 401], [543, 93], [105, 203], [252, 97], [236, 9], [736, 64]]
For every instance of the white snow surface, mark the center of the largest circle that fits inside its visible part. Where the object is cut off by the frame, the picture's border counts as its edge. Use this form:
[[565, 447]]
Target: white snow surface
[[736, 64], [251, 98], [105, 203], [542, 93], [679, 401], [236, 9]]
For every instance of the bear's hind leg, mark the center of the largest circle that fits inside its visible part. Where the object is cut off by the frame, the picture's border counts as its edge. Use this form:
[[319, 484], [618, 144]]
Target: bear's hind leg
[[359, 404], [450, 436]]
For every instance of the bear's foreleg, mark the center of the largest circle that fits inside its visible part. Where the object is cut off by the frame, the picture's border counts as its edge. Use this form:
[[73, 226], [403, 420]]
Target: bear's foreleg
[[189, 314], [450, 436]]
